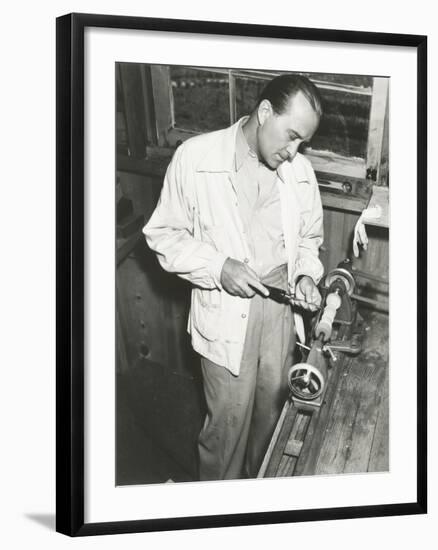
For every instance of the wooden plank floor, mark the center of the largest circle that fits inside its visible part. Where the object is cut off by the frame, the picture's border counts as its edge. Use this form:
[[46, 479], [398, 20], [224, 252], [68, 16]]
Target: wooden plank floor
[[357, 438]]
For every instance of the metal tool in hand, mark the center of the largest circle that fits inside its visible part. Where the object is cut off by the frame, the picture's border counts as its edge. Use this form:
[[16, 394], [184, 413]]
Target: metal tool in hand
[[284, 297], [278, 294]]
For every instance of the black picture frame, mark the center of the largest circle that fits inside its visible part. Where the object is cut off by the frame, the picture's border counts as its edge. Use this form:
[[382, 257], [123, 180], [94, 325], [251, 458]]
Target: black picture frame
[[70, 273]]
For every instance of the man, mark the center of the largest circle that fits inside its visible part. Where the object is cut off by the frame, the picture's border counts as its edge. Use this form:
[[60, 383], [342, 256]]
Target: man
[[240, 208]]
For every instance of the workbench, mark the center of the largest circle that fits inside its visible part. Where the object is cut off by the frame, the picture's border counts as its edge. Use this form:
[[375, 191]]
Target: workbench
[[352, 433]]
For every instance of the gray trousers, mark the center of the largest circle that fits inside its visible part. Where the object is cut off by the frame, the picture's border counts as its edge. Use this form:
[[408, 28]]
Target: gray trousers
[[242, 410]]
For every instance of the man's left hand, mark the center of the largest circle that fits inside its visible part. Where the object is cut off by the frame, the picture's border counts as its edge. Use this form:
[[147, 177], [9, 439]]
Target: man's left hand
[[307, 295]]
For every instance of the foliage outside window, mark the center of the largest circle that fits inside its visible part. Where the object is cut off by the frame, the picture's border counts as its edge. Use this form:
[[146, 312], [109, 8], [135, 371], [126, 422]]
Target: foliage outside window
[[200, 99], [202, 103]]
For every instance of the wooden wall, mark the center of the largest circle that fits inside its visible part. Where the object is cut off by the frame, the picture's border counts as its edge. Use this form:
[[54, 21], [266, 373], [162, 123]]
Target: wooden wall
[[338, 238], [153, 305]]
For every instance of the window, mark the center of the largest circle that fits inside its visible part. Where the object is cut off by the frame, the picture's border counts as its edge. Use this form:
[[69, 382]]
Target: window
[[205, 99], [346, 112], [200, 99], [248, 91]]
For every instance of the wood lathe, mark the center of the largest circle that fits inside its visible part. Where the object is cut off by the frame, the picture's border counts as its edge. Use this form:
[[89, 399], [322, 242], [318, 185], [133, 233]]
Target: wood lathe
[[335, 334]]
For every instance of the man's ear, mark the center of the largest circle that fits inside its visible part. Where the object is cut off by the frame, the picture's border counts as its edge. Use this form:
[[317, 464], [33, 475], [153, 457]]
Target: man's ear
[[264, 111]]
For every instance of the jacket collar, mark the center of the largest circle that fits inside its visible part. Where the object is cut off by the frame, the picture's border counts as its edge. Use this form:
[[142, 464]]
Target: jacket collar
[[243, 150], [221, 157]]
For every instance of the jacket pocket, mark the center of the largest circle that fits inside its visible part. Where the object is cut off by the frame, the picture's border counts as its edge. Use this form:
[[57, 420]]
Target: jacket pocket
[[205, 312]]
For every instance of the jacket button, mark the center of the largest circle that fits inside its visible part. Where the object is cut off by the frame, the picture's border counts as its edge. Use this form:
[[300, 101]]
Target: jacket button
[[243, 315], [246, 260]]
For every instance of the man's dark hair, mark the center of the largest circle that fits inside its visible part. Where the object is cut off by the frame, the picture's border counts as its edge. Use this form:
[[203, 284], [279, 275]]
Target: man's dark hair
[[282, 88]]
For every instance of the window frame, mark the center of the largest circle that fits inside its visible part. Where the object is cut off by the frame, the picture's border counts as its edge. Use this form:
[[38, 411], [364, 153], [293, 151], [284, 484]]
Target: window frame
[[327, 162]]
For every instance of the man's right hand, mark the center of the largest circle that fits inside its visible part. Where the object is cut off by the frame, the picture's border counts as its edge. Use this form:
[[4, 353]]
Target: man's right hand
[[238, 279]]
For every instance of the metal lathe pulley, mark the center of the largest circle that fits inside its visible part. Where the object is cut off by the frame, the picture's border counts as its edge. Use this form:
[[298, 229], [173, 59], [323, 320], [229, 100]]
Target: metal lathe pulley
[[344, 275], [305, 381]]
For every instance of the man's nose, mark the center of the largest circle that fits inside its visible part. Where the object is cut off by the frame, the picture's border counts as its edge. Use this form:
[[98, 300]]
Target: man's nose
[[292, 149]]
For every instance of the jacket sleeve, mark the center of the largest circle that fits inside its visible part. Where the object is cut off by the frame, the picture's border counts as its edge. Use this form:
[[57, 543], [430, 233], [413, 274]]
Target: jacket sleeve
[[311, 234], [170, 230]]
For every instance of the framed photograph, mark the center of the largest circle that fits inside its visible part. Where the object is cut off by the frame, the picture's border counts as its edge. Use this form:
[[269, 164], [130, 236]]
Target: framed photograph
[[241, 274]]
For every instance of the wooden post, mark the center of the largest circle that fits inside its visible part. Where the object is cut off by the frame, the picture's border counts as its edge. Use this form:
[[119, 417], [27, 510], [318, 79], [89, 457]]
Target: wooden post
[[376, 128], [149, 108], [163, 101], [383, 173], [134, 109], [232, 97]]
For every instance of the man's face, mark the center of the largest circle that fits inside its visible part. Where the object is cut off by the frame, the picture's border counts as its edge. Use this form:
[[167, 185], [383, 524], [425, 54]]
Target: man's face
[[279, 136]]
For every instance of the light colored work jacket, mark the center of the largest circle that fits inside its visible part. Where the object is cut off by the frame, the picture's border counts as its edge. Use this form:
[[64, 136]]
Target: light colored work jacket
[[196, 226]]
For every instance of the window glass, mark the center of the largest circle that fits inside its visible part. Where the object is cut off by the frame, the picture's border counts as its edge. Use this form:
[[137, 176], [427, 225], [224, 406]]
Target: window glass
[[248, 91], [363, 82], [201, 104], [201, 99], [346, 110], [344, 124]]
